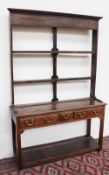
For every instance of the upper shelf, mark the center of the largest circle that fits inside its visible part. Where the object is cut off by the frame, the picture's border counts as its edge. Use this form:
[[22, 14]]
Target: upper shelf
[[25, 82], [52, 19], [24, 52]]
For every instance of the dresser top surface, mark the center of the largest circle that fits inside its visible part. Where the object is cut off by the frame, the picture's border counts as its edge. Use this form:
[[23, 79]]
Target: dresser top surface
[[32, 109]]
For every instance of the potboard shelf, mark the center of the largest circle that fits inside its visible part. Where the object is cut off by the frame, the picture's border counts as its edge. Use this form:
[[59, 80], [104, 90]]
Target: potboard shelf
[[37, 155]]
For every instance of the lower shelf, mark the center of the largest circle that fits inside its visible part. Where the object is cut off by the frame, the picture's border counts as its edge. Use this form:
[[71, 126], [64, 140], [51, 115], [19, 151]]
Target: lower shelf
[[45, 153]]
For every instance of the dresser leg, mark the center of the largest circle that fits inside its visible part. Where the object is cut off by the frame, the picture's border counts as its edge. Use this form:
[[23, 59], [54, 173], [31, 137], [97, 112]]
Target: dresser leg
[[101, 133], [100, 141], [88, 127], [18, 149], [14, 135]]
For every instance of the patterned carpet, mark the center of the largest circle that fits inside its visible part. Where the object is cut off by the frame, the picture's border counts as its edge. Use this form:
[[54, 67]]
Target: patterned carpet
[[94, 163]]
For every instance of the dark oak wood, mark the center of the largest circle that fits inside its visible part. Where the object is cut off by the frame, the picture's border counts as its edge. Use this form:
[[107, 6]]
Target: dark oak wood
[[52, 19], [25, 82], [101, 130], [25, 110], [29, 116], [93, 72], [13, 135], [24, 52], [11, 62], [54, 55], [94, 61], [40, 115], [37, 155], [26, 11], [60, 101], [18, 147], [88, 127]]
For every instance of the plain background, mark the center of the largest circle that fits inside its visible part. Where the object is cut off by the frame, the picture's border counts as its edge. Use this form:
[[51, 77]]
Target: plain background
[[82, 39]]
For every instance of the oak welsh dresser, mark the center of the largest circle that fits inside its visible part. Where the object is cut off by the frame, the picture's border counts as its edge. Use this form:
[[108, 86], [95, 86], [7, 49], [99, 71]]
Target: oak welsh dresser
[[28, 116]]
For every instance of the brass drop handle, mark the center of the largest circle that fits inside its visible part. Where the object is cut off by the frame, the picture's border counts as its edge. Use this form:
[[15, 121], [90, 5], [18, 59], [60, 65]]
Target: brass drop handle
[[30, 122], [96, 113], [82, 115], [66, 116], [50, 119]]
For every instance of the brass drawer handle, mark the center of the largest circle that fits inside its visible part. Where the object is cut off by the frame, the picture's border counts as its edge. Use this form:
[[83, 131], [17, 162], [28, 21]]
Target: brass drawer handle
[[29, 122], [66, 116], [50, 119], [96, 113], [82, 115]]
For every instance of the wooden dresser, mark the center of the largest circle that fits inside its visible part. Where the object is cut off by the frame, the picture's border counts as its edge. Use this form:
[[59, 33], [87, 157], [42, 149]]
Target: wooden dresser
[[28, 116]]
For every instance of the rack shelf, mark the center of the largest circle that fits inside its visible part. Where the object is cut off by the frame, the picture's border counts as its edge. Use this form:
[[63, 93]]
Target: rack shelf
[[24, 82], [24, 52]]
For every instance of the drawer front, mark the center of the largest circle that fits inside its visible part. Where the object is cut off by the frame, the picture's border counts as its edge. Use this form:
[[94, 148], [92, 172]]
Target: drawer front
[[47, 119], [88, 113], [66, 116], [62, 117], [38, 121], [51, 119], [31, 122]]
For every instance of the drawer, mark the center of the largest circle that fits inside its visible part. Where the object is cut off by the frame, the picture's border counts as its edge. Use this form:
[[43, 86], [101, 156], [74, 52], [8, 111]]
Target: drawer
[[61, 117], [58, 117], [51, 119], [38, 121], [47, 119], [32, 121], [66, 116], [88, 113]]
